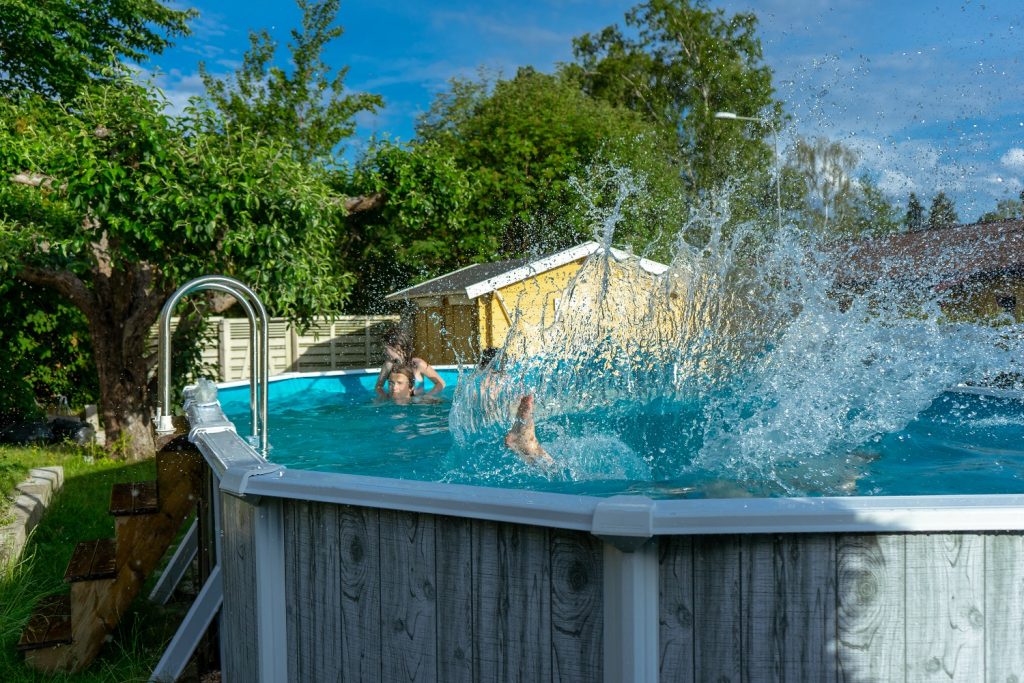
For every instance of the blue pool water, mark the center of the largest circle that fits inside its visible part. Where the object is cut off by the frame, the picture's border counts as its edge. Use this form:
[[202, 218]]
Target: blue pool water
[[961, 444]]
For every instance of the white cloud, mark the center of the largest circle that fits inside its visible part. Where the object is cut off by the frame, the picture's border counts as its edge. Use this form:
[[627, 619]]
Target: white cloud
[[1013, 159]]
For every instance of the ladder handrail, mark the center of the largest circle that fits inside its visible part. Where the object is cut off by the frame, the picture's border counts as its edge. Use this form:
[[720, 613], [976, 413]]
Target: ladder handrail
[[258, 343]]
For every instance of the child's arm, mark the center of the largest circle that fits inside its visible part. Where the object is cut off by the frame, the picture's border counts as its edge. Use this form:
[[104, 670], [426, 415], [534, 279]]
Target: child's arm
[[385, 370], [430, 373]]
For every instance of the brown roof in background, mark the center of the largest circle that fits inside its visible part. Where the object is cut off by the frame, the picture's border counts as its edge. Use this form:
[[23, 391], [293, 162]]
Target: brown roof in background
[[937, 256]]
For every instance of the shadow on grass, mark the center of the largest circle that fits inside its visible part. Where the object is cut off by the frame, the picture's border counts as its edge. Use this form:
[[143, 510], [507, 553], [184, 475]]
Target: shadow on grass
[[79, 513]]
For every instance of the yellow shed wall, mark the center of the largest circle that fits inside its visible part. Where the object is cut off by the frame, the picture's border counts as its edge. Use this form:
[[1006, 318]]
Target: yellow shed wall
[[532, 301], [445, 333]]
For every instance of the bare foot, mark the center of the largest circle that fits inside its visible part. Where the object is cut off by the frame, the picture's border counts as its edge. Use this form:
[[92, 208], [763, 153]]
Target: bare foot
[[522, 438]]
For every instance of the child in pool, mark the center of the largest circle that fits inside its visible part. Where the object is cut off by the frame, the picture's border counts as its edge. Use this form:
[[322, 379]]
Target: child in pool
[[398, 352], [401, 382]]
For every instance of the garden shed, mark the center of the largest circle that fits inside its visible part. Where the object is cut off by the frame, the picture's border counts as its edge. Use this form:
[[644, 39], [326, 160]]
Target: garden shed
[[459, 313]]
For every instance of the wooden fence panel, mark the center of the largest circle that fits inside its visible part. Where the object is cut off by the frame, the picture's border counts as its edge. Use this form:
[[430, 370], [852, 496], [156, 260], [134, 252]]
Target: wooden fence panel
[[577, 606], [718, 611], [239, 613], [313, 556], [676, 625], [408, 614], [789, 608], [871, 611], [329, 344], [1004, 607], [945, 603], [454, 559]]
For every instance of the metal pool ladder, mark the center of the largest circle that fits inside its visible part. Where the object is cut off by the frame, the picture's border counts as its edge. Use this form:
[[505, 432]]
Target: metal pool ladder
[[259, 362]]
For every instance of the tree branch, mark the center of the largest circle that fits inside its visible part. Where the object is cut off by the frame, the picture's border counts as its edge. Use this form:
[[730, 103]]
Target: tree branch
[[62, 282], [36, 180], [365, 203]]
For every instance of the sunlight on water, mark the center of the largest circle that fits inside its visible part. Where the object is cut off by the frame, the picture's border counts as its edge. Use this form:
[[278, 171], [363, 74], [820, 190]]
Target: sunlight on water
[[748, 362]]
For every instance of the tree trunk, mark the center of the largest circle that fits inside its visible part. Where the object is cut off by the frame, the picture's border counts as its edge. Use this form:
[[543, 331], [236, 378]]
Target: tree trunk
[[121, 368], [121, 307]]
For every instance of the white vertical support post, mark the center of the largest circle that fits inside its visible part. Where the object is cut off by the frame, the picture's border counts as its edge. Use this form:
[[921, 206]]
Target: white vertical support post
[[271, 632], [367, 324], [293, 351], [224, 352], [334, 344], [626, 525], [631, 614]]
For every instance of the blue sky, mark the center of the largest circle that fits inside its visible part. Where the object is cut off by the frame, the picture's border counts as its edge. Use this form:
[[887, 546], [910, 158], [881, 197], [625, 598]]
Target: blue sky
[[929, 94]]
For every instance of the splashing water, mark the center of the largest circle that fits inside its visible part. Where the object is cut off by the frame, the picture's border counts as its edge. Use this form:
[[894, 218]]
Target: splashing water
[[746, 366]]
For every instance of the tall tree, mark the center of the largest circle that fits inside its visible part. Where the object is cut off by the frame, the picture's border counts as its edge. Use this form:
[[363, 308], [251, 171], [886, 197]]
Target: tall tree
[[826, 168], [524, 140], [425, 227], [873, 213], [678, 63], [55, 47], [914, 218], [306, 106], [942, 213], [112, 205]]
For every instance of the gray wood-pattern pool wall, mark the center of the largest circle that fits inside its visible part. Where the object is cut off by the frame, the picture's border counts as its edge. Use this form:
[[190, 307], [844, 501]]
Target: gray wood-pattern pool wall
[[374, 594]]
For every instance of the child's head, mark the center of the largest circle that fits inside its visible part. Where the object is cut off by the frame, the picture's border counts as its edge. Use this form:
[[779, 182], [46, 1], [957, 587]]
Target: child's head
[[401, 382]]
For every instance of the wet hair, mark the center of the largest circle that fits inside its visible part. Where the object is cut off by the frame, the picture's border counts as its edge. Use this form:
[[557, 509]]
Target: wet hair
[[489, 359], [398, 339]]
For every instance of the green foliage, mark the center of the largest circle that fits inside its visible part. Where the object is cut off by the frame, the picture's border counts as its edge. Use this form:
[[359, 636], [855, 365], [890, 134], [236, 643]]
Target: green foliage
[[524, 140], [873, 214], [131, 188], [55, 47], [828, 200], [425, 226], [826, 170], [914, 218], [123, 204], [942, 213], [680, 63], [306, 107], [45, 344]]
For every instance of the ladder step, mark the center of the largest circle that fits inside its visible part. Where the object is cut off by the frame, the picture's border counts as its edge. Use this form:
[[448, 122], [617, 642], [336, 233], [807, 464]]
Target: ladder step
[[49, 625], [93, 560], [134, 498]]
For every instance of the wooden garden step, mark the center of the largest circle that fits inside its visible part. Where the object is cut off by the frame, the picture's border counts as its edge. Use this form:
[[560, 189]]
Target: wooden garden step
[[49, 625], [103, 585], [93, 560], [134, 498]]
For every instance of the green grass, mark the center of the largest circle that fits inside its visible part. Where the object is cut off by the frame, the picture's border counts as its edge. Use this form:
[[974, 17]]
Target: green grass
[[16, 461], [78, 513]]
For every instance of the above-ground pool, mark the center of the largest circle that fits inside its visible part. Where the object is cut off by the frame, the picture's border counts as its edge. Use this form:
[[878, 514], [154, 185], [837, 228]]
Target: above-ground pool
[[966, 442], [757, 479]]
